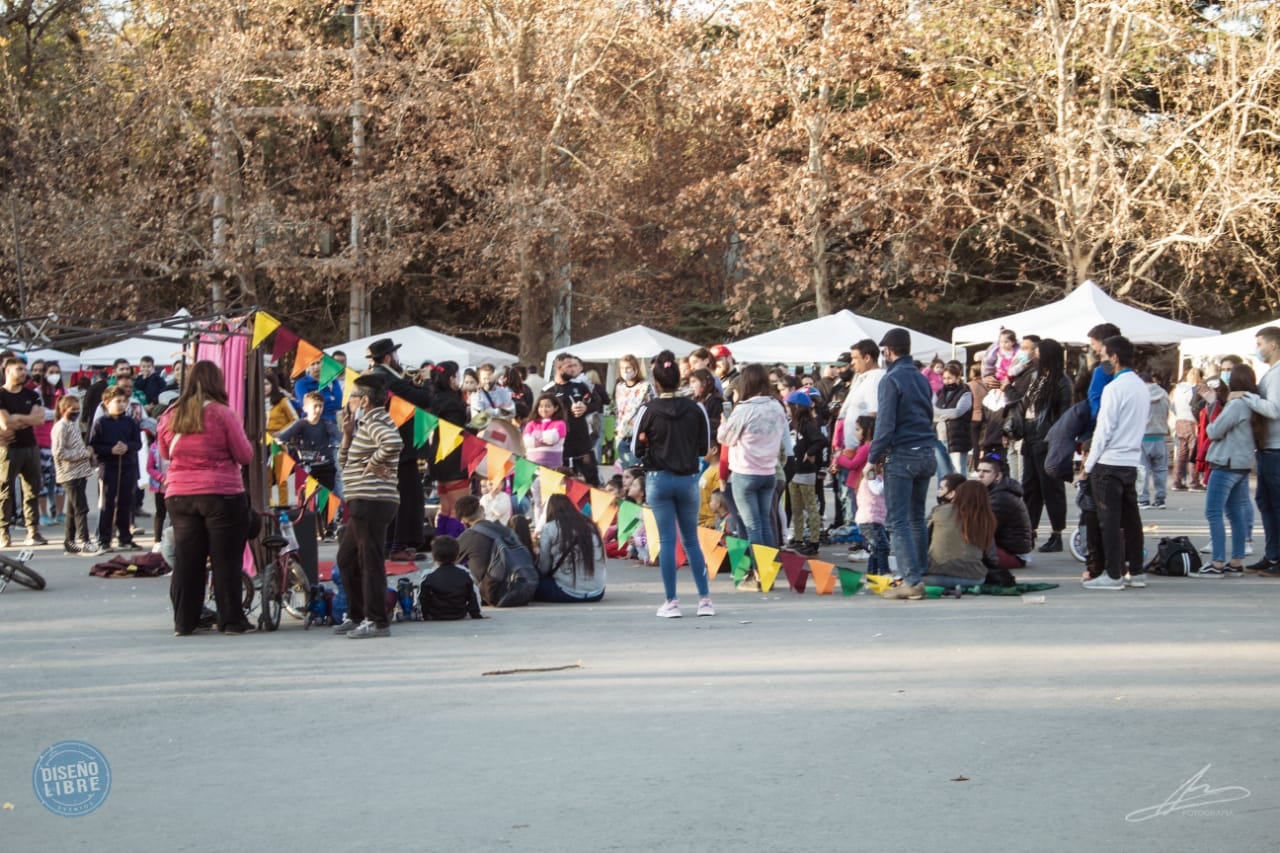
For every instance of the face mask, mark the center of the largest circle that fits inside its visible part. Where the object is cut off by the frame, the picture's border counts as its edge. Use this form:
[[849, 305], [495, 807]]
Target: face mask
[[1257, 354], [564, 377], [628, 374], [1226, 377], [846, 376], [73, 416], [52, 378]]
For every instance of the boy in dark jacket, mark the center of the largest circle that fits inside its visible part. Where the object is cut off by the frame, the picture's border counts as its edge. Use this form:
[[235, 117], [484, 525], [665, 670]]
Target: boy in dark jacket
[[1013, 524], [803, 477], [448, 592], [115, 441]]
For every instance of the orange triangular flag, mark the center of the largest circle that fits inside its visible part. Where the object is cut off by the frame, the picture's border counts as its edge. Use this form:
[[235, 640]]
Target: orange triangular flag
[[305, 356], [332, 508], [496, 459], [400, 410], [767, 565], [824, 577], [286, 468], [450, 437], [651, 532], [602, 509], [263, 325], [712, 550]]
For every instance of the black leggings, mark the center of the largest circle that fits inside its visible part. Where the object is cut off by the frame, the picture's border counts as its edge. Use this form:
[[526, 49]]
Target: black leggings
[[1041, 492]]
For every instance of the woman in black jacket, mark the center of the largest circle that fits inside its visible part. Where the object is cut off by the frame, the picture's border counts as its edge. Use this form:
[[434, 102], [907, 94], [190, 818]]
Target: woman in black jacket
[[672, 434], [447, 405], [1047, 400]]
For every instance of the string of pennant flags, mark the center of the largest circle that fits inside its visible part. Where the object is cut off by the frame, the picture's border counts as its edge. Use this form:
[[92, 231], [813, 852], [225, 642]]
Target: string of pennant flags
[[717, 546]]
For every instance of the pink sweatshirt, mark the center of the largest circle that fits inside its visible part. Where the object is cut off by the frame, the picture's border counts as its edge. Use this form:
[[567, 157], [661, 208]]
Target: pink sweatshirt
[[854, 464], [544, 442], [209, 462]]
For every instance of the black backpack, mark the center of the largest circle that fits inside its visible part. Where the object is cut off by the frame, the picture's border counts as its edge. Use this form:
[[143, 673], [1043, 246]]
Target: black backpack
[[1176, 557], [511, 577]]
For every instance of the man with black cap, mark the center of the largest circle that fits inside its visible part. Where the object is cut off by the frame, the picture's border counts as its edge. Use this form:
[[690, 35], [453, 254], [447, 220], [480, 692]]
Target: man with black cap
[[902, 453], [369, 456], [578, 400], [407, 535]]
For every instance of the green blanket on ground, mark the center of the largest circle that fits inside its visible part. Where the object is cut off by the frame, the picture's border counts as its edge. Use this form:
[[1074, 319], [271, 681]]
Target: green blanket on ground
[[1017, 589]]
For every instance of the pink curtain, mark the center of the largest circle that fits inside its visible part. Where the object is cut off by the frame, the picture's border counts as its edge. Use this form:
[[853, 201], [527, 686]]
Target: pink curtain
[[228, 352]]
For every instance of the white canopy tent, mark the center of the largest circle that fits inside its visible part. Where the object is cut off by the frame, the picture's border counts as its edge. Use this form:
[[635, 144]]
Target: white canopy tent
[[69, 362], [1203, 351], [162, 341], [822, 340], [641, 341], [419, 344], [1069, 320]]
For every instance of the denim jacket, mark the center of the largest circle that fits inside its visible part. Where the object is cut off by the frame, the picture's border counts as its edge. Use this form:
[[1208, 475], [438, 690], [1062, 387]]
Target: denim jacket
[[904, 415]]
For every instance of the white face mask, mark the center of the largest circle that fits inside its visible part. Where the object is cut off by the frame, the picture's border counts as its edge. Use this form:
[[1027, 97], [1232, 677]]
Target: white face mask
[[628, 373], [52, 378]]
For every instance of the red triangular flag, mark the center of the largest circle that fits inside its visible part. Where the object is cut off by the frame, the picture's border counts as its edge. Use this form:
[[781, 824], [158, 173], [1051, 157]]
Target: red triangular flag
[[284, 343], [578, 491], [793, 565], [473, 452]]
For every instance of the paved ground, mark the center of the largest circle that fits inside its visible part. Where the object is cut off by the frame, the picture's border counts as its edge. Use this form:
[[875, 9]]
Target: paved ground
[[784, 723]]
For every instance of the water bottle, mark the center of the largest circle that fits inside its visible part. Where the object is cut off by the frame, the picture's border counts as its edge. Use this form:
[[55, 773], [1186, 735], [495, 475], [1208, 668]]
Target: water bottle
[[286, 531], [404, 594], [339, 597]]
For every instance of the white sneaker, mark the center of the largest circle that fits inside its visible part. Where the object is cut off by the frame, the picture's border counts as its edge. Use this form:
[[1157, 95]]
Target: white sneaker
[[1208, 549], [1138, 581], [859, 556], [705, 608], [1104, 582], [1248, 549], [669, 610]]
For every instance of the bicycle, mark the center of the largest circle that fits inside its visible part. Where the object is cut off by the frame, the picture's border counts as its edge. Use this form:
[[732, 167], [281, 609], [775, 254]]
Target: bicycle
[[283, 582], [15, 569]]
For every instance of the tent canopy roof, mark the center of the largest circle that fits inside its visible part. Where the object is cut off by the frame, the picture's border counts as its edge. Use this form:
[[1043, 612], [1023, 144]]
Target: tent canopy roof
[[162, 341], [1069, 320], [419, 344], [823, 339], [640, 341]]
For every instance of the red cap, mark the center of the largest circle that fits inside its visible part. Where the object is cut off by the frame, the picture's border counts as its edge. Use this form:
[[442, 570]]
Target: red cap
[[721, 351]]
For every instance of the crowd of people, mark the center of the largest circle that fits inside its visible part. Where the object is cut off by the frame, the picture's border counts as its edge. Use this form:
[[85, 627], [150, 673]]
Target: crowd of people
[[752, 451]]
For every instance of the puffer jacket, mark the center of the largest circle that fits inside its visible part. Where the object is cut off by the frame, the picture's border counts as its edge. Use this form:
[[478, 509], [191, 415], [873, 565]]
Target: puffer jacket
[[1013, 524], [1232, 433]]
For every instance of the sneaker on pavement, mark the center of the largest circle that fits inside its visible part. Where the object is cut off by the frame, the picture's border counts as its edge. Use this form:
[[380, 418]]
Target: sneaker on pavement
[[1273, 572], [1104, 582], [905, 593], [859, 556], [1209, 570], [34, 538], [669, 610], [367, 629], [1138, 581], [1263, 565], [1051, 545], [705, 608], [1230, 571], [71, 547], [1158, 505], [1248, 549], [1207, 549], [344, 627], [1144, 504]]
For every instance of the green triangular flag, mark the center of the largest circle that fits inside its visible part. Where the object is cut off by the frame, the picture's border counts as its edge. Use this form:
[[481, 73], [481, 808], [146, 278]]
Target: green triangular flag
[[330, 369], [526, 471], [739, 556], [275, 450], [628, 519], [424, 424], [322, 499]]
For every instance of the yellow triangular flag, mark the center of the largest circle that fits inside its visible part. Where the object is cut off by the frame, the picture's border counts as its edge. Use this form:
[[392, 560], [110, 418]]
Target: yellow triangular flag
[[550, 482], [309, 488], [348, 382], [651, 531], [263, 325], [767, 565], [305, 356], [712, 551], [602, 509], [400, 410], [450, 440], [496, 459], [823, 576]]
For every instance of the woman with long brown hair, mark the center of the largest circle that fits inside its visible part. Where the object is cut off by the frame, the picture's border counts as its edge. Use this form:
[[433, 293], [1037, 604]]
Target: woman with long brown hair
[[204, 441], [961, 534], [571, 558], [1236, 434]]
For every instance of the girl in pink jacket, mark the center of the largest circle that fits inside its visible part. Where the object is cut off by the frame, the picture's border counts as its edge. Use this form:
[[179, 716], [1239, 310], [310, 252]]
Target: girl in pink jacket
[[544, 433]]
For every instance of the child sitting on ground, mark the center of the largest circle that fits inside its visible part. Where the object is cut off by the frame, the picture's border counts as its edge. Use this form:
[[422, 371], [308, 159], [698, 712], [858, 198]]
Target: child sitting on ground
[[449, 591]]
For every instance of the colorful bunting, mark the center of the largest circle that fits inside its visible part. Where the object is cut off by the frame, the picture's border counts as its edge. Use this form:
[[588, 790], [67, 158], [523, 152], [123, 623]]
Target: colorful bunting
[[424, 426], [628, 520], [552, 482], [850, 581], [284, 344], [651, 532], [602, 509], [450, 440], [306, 356], [348, 382], [578, 492], [526, 471], [322, 499], [400, 410], [309, 488], [286, 464], [496, 459], [767, 565], [823, 576], [739, 557], [263, 325], [793, 565], [473, 451], [712, 550], [330, 369], [333, 510]]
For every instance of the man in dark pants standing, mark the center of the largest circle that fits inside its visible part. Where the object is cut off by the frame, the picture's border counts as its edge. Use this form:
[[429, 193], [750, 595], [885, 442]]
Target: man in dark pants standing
[[902, 452], [408, 533], [1112, 468], [578, 400], [20, 410]]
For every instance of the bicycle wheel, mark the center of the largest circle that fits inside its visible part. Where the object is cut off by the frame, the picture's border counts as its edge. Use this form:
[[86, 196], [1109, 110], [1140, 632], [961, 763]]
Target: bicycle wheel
[[270, 619], [1080, 544], [297, 590], [12, 570], [247, 581]]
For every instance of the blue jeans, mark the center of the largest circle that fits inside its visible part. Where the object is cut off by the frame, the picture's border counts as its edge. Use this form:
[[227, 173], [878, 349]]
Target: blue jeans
[[753, 495], [1155, 458], [622, 453], [1269, 500], [1228, 493], [942, 458], [548, 590], [877, 547], [907, 473], [674, 500]]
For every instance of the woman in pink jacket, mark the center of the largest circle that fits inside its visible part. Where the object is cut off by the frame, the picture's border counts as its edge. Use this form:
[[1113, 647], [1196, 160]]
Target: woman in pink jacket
[[756, 433]]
